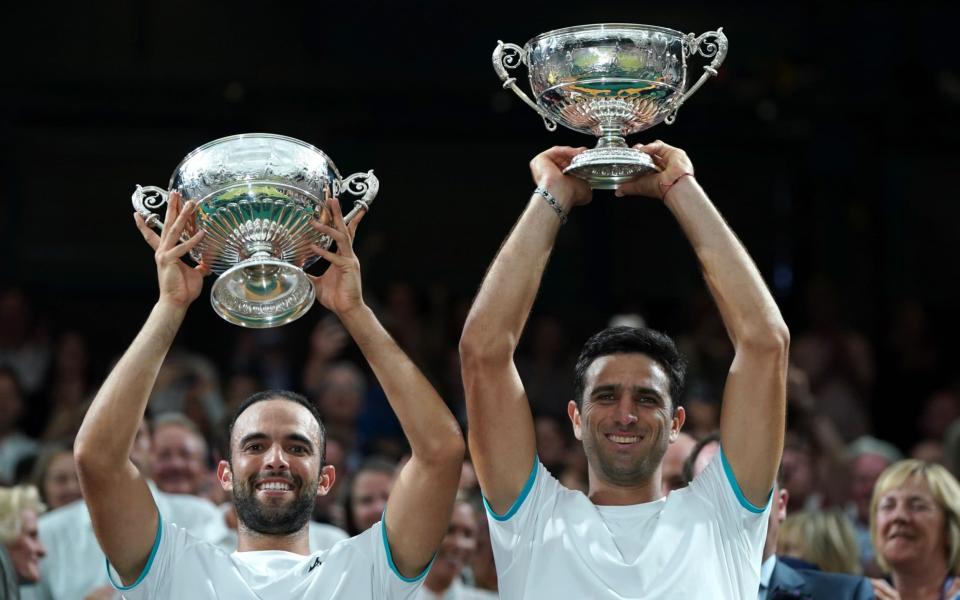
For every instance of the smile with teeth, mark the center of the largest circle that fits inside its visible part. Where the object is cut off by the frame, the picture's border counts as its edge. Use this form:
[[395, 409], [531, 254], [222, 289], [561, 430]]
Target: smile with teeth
[[623, 439], [278, 486]]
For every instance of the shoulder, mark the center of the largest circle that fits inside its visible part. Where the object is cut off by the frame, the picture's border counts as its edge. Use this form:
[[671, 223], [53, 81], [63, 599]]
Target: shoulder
[[831, 585]]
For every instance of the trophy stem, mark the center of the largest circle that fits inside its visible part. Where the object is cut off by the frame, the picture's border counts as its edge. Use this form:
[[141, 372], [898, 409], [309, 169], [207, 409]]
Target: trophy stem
[[610, 137]]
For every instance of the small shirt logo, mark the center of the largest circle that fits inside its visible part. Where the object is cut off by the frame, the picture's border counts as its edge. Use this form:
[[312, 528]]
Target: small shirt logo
[[316, 563]]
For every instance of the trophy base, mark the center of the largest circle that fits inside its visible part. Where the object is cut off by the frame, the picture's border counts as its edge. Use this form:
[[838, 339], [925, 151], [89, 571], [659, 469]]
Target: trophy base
[[605, 168], [262, 292]]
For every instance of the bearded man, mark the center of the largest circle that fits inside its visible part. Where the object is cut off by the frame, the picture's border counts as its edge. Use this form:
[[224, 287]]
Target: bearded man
[[624, 539], [275, 469]]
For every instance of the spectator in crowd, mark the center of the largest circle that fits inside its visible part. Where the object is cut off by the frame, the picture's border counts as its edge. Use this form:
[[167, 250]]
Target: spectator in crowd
[[672, 470], [74, 565], [55, 475], [783, 579], [444, 581], [544, 365], [779, 580], [178, 455], [801, 472], [14, 444], [838, 360], [552, 445], [24, 343], [367, 494], [867, 457], [700, 455], [340, 399], [67, 389], [915, 525], [823, 538], [483, 569], [20, 546], [327, 342]]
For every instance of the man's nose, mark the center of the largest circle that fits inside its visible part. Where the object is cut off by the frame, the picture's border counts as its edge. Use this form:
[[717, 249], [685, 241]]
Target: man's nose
[[626, 412], [276, 458]]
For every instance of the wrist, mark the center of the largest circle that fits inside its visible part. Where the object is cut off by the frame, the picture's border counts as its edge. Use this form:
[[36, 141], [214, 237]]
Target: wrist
[[353, 314], [171, 309], [677, 186], [560, 192]]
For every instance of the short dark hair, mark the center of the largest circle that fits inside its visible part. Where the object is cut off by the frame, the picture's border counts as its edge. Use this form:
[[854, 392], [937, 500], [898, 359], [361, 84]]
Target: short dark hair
[[633, 340], [279, 395]]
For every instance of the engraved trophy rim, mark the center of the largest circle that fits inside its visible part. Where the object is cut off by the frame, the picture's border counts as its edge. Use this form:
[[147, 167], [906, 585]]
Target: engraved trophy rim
[[254, 135], [612, 27]]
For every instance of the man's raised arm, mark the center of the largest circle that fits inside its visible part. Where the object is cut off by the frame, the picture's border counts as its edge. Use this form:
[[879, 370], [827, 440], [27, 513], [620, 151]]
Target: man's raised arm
[[500, 431], [421, 501], [754, 399], [124, 516]]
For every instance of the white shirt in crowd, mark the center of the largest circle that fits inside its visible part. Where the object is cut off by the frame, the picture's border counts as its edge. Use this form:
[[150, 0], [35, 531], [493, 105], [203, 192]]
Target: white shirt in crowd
[[183, 566], [702, 541], [74, 564]]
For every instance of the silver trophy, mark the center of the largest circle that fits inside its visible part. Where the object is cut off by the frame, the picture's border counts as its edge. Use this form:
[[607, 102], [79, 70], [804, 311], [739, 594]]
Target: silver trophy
[[256, 197], [609, 80]]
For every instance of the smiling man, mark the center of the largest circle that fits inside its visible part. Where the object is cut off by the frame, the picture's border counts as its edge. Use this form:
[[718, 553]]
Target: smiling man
[[276, 465], [624, 539]]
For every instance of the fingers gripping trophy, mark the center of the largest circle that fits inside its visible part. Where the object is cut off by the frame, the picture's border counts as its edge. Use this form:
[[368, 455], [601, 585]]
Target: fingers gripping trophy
[[258, 199], [609, 80]]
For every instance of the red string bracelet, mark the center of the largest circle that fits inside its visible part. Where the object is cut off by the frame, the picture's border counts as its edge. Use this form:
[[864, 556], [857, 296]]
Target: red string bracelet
[[666, 188]]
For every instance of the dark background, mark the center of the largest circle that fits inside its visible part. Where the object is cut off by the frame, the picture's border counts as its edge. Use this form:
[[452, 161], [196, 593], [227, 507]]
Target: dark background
[[829, 141]]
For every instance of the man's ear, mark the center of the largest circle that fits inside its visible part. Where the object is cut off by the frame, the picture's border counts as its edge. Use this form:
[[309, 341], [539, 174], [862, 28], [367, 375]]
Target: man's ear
[[328, 475], [679, 418], [574, 413], [225, 475]]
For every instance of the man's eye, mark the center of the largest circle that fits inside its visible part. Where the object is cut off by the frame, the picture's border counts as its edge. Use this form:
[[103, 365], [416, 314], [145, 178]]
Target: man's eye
[[254, 447]]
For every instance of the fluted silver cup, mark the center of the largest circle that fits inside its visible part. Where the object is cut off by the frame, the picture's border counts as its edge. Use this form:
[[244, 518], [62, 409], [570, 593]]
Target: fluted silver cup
[[256, 196], [609, 80]]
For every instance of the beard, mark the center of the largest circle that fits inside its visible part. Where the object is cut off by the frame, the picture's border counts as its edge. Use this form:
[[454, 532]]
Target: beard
[[274, 519], [618, 470]]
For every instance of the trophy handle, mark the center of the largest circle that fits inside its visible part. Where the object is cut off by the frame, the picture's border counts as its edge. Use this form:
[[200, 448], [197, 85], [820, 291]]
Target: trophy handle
[[716, 49], [360, 183], [509, 56], [146, 199]]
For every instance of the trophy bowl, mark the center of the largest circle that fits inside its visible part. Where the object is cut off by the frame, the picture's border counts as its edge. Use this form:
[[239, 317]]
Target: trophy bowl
[[609, 80], [256, 195]]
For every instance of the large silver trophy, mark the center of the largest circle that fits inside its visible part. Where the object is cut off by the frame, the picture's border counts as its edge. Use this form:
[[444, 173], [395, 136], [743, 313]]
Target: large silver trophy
[[256, 197], [609, 80]]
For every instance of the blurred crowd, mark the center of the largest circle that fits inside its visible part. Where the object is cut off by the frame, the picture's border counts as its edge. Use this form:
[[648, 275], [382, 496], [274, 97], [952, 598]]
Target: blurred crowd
[[842, 384]]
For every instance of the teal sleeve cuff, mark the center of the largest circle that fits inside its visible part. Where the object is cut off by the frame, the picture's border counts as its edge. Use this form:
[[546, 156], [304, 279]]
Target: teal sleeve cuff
[[519, 501], [146, 568], [393, 566], [739, 492]]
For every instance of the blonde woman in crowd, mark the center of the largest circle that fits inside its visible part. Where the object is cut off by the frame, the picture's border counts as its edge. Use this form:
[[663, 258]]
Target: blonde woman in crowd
[[20, 546], [915, 527], [823, 538]]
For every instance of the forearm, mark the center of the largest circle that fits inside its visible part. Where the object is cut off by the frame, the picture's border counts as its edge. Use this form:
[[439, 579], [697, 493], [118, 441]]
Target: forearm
[[503, 304], [110, 425], [430, 428], [749, 311]]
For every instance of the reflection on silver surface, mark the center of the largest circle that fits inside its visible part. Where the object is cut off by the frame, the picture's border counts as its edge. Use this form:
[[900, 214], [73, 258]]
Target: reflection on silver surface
[[609, 80], [256, 196]]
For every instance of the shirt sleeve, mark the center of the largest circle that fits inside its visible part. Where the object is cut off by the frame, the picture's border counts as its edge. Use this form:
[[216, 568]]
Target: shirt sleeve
[[388, 580], [743, 525], [169, 544], [513, 532]]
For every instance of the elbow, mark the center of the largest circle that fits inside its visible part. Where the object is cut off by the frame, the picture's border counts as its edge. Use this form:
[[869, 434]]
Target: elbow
[[479, 346], [446, 450], [772, 339]]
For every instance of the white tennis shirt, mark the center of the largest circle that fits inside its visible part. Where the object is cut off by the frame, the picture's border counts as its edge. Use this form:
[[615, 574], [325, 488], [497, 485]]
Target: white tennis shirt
[[182, 566], [702, 541]]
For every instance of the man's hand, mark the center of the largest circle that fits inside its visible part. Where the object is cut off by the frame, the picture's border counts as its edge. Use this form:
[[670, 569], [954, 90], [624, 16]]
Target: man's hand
[[339, 289], [673, 164], [547, 171], [180, 284]]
